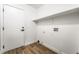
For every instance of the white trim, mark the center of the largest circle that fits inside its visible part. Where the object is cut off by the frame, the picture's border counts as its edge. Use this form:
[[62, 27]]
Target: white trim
[[52, 48], [14, 6], [29, 43], [1, 23]]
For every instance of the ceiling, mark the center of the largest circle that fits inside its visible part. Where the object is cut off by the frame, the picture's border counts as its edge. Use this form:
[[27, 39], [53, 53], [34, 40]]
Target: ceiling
[[36, 5]]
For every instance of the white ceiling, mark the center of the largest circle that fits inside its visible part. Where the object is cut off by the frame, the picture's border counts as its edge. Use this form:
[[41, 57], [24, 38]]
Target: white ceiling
[[36, 5]]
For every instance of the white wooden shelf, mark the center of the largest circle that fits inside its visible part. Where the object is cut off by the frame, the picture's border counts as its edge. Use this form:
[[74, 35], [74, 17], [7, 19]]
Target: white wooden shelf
[[58, 14]]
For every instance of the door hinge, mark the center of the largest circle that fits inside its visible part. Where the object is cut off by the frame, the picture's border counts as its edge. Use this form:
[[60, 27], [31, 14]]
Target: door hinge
[[3, 28], [3, 46]]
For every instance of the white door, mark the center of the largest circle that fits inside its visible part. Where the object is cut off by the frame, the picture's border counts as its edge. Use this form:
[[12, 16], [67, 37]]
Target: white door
[[13, 25]]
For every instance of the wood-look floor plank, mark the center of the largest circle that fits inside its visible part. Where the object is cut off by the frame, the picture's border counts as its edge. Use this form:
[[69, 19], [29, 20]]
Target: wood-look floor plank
[[34, 48]]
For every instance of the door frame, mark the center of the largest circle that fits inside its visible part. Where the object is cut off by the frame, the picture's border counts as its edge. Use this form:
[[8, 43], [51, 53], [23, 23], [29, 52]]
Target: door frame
[[2, 25]]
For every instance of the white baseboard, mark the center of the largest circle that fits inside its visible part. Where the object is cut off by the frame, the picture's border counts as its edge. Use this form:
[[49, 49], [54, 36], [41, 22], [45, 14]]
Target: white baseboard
[[52, 48], [1, 51], [27, 43]]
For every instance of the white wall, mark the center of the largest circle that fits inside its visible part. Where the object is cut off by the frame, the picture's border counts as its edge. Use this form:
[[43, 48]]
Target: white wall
[[66, 39], [67, 24], [51, 9], [29, 14], [30, 26], [30, 29], [0, 27]]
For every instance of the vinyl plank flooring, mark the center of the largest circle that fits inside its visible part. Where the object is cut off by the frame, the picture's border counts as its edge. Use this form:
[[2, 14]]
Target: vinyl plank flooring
[[34, 48]]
